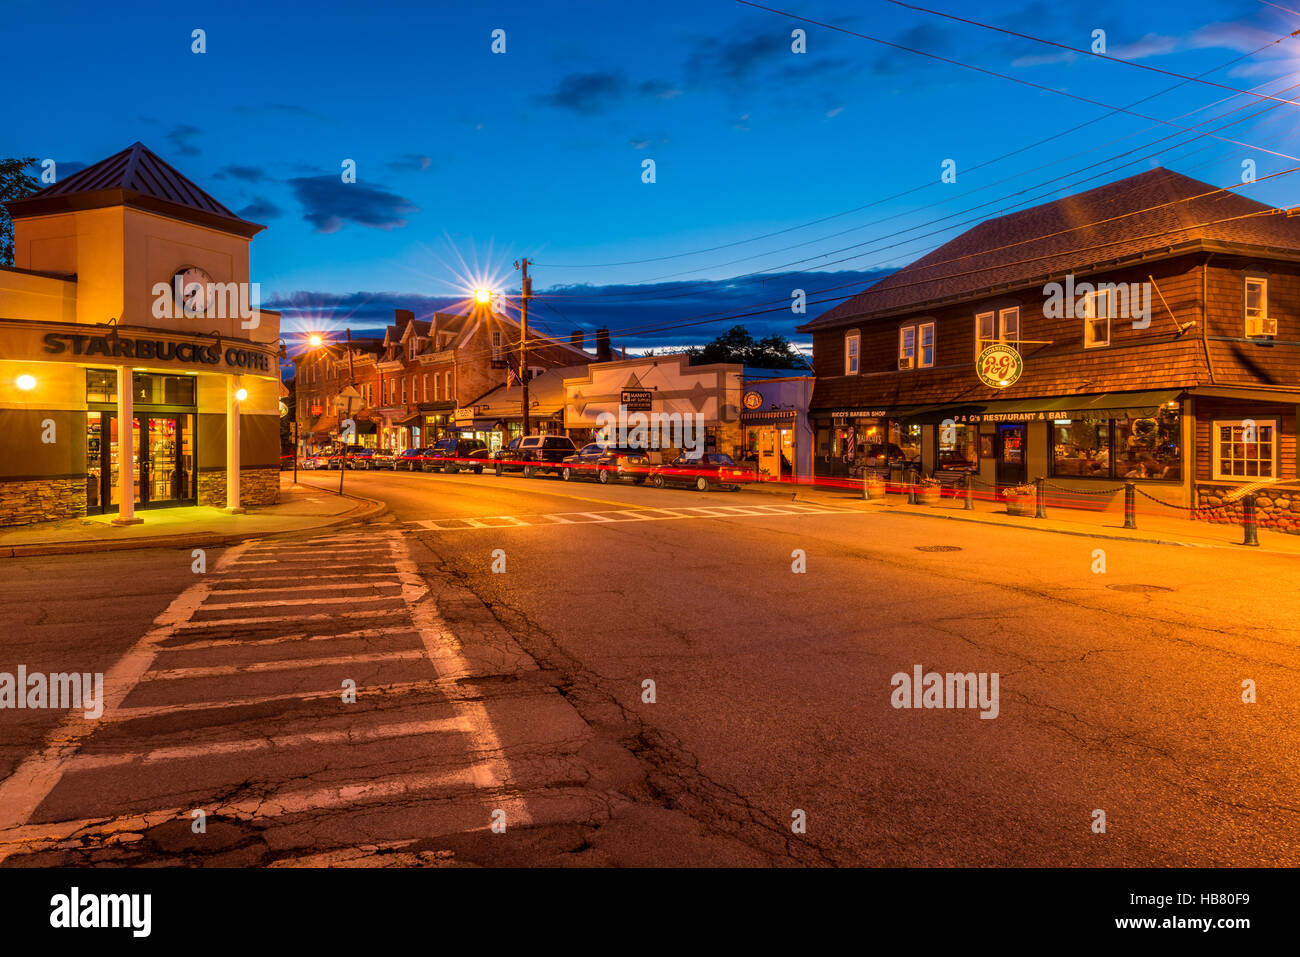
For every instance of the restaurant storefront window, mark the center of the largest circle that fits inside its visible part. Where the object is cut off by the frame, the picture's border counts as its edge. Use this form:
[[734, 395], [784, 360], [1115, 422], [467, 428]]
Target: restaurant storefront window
[[1133, 447], [958, 447]]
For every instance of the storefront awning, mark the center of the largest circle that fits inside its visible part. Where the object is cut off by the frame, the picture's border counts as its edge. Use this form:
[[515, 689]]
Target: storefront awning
[[412, 419], [1097, 405]]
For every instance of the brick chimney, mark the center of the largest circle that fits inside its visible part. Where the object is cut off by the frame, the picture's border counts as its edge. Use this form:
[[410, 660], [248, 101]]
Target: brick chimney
[[603, 352], [577, 338], [402, 316]]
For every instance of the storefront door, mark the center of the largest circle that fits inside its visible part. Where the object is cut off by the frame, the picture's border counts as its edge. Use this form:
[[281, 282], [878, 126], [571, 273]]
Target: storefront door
[[1011, 453], [158, 450], [769, 453]]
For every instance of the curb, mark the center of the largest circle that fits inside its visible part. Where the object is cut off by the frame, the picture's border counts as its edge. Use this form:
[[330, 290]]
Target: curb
[[366, 509], [1103, 534]]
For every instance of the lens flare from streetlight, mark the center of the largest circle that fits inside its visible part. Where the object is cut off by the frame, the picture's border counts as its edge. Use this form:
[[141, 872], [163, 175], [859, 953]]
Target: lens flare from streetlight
[[483, 296], [26, 382], [315, 341]]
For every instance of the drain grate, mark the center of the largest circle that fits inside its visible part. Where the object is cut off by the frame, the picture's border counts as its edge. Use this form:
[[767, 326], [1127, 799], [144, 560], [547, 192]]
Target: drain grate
[[1138, 588], [938, 548]]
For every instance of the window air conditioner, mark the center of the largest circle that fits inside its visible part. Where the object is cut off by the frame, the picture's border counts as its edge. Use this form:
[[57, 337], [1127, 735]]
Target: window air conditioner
[[1261, 326], [905, 362]]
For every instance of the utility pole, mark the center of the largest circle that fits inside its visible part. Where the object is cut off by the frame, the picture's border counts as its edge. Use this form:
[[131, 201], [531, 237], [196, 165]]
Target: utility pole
[[523, 339]]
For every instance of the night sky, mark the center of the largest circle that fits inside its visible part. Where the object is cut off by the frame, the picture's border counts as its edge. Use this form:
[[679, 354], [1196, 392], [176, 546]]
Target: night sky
[[467, 160]]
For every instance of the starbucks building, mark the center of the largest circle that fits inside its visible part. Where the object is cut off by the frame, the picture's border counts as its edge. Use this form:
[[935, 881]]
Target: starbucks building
[[136, 370]]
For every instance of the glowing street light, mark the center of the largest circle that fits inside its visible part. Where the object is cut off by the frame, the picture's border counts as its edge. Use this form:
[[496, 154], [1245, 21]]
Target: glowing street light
[[241, 394], [483, 296], [26, 382], [315, 341]]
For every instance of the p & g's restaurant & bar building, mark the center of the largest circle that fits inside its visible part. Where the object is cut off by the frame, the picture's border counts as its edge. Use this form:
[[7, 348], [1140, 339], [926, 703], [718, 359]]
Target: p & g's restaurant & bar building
[[136, 371]]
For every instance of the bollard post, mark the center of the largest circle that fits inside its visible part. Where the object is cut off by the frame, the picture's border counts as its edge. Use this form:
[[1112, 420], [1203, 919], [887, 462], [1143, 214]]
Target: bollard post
[[911, 486], [969, 504], [865, 479], [1040, 503], [1248, 522], [1130, 505]]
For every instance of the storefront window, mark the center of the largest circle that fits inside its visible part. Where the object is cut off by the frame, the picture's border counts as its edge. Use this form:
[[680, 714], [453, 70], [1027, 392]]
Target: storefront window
[[1245, 449], [1141, 447], [958, 447], [1081, 447], [910, 441], [1149, 447]]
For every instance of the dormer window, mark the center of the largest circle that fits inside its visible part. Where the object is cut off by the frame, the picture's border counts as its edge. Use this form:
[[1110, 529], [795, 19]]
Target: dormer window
[[410, 347]]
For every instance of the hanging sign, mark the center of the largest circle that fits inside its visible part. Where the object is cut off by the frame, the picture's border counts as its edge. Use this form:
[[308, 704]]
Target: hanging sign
[[999, 365]]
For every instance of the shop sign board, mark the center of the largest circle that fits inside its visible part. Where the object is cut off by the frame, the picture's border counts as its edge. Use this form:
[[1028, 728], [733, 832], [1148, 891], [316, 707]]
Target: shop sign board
[[637, 400], [999, 365], [753, 400]]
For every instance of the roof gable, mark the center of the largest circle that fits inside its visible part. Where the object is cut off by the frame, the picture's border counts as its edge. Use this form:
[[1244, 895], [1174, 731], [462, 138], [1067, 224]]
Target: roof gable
[[135, 177], [1152, 210]]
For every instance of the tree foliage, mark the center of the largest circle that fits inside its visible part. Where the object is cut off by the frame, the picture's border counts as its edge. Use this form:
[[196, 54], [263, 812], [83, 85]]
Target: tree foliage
[[737, 345], [15, 183]]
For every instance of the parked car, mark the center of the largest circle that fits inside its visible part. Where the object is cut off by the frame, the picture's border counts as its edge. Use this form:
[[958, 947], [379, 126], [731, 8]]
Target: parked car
[[451, 455], [605, 464], [357, 457], [702, 471], [534, 454], [383, 459], [410, 460], [315, 460]]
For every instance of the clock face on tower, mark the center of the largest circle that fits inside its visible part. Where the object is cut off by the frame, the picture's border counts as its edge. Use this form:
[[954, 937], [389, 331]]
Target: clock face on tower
[[193, 285]]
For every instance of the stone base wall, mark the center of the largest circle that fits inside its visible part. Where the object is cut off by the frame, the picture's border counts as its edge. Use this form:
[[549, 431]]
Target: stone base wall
[[41, 500], [256, 487], [1276, 509]]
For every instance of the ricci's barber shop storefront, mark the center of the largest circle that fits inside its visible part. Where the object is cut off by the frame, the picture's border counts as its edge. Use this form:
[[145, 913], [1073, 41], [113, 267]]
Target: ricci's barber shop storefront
[[116, 397]]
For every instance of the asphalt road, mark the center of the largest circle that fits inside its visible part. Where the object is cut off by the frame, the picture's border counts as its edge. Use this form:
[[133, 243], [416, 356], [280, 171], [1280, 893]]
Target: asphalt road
[[501, 633]]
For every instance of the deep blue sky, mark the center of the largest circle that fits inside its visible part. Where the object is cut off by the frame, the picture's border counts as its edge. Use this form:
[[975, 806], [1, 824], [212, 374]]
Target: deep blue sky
[[467, 160]]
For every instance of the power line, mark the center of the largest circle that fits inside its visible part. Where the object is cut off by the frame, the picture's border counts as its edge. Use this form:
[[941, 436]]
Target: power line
[[1092, 53]]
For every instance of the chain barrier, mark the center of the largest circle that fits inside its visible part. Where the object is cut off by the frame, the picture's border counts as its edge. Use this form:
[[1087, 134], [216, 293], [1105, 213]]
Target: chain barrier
[[1077, 491], [1183, 508]]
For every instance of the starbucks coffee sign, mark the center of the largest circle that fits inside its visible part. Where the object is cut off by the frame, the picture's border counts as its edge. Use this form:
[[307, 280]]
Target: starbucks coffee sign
[[999, 365]]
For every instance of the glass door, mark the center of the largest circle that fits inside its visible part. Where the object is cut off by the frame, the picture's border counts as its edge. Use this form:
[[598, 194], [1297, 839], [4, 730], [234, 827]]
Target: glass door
[[1011, 454], [158, 450]]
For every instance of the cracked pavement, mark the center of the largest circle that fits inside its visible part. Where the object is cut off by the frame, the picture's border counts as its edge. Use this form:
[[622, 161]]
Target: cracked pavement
[[522, 692]]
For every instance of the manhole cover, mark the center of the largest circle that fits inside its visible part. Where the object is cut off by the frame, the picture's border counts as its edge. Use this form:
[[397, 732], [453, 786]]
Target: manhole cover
[[938, 548], [1136, 587]]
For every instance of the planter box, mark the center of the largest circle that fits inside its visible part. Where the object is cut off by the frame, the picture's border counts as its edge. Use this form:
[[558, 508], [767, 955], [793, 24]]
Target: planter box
[[928, 495], [1020, 505], [875, 489]]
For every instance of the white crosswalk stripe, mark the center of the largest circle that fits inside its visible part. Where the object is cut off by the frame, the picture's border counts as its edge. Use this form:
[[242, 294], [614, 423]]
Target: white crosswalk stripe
[[613, 516]]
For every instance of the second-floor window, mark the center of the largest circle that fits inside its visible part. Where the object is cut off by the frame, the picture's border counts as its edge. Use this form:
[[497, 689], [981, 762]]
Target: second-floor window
[[496, 345], [1257, 318], [907, 347], [1009, 326], [925, 358], [1098, 308], [851, 344], [446, 386], [985, 330], [426, 388], [403, 392]]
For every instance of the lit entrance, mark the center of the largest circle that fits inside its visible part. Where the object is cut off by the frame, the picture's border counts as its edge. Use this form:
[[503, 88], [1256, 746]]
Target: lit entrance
[[1011, 454], [157, 449]]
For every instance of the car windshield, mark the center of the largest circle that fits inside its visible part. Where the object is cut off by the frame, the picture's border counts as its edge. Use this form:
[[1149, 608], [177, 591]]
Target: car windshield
[[720, 458], [592, 450]]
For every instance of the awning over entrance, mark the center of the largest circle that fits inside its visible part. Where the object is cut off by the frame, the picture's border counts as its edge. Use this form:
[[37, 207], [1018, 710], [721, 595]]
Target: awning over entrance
[[412, 419], [1100, 405]]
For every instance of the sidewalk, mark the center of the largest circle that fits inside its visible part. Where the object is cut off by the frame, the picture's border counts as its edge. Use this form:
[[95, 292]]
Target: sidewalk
[[300, 509], [1152, 527]]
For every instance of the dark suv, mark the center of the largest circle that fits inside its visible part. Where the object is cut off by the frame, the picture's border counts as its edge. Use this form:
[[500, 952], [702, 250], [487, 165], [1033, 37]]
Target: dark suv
[[451, 454], [606, 463], [534, 454]]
